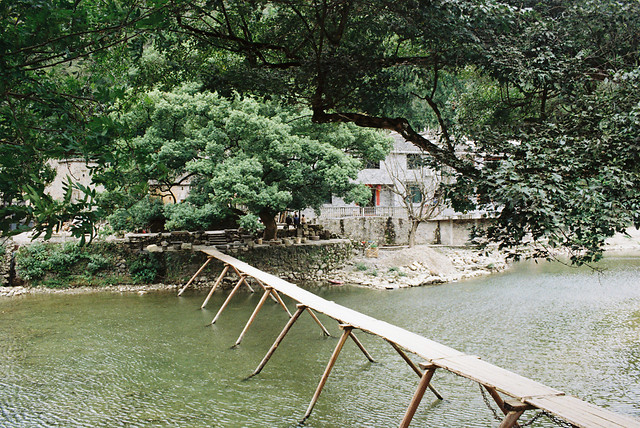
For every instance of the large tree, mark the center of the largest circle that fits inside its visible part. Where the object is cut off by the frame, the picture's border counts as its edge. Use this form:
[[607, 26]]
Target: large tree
[[54, 96], [239, 155], [542, 127]]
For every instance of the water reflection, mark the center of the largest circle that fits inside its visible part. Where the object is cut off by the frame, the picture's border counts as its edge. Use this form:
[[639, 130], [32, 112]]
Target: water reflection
[[130, 360]]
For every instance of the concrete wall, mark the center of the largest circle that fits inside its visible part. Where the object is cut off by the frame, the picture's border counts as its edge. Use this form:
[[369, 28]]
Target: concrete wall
[[395, 231], [79, 172]]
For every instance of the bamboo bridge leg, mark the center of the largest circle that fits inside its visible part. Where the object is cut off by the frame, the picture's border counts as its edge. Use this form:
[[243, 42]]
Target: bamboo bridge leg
[[261, 284], [283, 333], [222, 274], [510, 419], [193, 278], [247, 283], [514, 409], [414, 368], [226, 302], [279, 300], [417, 396], [497, 398], [362, 348], [244, 276], [265, 296], [276, 297], [315, 318], [327, 370]]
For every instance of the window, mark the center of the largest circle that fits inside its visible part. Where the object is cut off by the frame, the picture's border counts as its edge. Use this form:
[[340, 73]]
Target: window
[[414, 194], [416, 161]]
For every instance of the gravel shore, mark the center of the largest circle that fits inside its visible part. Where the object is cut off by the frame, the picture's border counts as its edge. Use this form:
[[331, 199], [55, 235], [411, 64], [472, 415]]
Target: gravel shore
[[418, 266]]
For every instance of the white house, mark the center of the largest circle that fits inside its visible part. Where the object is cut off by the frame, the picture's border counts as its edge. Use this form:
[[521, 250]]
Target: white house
[[403, 169]]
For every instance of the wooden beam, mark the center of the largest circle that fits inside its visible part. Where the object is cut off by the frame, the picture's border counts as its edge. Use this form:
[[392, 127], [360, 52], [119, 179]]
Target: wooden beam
[[496, 397], [265, 296], [283, 333], [417, 396], [327, 370], [243, 275], [510, 419], [414, 367], [275, 297], [281, 302], [514, 409], [362, 348], [315, 318], [195, 275], [226, 302], [222, 274]]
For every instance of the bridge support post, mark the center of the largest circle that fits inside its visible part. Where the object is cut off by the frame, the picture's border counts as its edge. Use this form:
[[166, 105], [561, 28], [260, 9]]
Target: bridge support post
[[283, 333], [244, 276], [315, 318], [275, 297], [362, 348], [514, 409], [414, 368], [265, 296], [218, 281], [334, 357], [193, 278], [417, 396], [226, 302]]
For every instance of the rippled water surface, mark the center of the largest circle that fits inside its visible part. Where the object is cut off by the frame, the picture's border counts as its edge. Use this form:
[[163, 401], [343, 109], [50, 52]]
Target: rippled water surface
[[148, 360]]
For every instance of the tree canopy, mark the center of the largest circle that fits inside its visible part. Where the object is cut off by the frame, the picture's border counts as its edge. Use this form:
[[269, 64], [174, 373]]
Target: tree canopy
[[238, 155], [536, 102]]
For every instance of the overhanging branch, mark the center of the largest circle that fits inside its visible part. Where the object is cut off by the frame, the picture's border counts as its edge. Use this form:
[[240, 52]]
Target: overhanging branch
[[401, 126]]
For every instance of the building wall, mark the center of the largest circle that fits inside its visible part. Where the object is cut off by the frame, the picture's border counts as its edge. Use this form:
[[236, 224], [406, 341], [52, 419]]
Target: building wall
[[395, 231], [79, 172]]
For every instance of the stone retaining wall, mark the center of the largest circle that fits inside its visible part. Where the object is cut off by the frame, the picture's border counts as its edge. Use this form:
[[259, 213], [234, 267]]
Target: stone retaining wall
[[312, 261], [5, 265]]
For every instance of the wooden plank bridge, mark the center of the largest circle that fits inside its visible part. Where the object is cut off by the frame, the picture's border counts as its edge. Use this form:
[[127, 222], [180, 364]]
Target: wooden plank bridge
[[523, 393]]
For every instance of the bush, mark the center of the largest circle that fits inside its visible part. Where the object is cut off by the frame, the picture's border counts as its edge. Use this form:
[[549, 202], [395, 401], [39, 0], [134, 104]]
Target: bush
[[186, 216], [141, 215], [145, 269], [34, 262]]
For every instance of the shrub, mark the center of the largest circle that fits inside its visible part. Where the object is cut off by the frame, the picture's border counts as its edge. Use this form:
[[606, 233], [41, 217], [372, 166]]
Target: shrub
[[361, 266], [145, 269], [141, 215], [31, 261], [34, 262]]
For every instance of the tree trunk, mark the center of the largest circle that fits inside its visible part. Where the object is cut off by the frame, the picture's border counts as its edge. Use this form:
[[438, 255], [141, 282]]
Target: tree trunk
[[412, 232], [270, 226]]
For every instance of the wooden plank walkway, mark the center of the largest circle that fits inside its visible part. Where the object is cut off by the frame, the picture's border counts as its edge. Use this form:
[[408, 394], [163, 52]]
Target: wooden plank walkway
[[529, 393]]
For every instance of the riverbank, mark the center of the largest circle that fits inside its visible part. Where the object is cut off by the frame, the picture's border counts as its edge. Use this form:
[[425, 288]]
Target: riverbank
[[394, 267], [399, 267]]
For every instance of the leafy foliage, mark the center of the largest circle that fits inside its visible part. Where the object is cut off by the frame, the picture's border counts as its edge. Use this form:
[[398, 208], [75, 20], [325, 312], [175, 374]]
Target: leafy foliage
[[34, 262], [239, 154], [535, 101], [145, 269], [142, 215]]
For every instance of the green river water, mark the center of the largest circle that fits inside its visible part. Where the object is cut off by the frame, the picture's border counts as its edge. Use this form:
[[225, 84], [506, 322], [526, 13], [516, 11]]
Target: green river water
[[129, 360]]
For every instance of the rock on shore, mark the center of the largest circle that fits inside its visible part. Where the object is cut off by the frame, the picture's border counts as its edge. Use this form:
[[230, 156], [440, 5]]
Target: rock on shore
[[418, 266], [140, 289]]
